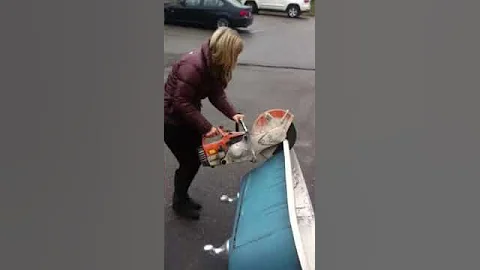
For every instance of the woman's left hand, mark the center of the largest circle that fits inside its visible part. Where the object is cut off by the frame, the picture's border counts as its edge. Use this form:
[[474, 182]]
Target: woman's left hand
[[238, 117]]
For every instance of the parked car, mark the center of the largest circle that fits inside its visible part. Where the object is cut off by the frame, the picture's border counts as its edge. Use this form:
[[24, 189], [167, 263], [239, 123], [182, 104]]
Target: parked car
[[293, 8], [209, 13]]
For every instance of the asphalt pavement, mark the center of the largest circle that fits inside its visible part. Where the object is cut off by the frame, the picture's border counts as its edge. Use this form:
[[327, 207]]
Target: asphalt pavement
[[276, 70], [272, 40]]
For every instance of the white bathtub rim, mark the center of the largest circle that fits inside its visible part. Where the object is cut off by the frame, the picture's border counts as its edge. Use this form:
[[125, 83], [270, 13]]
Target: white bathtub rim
[[301, 213]]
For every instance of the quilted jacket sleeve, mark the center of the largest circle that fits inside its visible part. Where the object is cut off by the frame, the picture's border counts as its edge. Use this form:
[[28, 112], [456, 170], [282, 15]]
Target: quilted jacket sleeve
[[219, 100], [188, 79]]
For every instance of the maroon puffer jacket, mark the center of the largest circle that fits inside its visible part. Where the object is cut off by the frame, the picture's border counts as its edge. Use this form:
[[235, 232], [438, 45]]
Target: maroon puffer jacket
[[189, 82]]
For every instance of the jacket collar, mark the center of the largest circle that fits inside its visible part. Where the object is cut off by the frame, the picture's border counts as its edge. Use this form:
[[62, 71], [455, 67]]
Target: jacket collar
[[205, 52], [207, 59]]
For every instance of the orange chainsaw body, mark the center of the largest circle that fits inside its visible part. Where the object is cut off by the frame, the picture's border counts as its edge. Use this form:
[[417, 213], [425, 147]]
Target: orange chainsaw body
[[265, 139], [211, 153]]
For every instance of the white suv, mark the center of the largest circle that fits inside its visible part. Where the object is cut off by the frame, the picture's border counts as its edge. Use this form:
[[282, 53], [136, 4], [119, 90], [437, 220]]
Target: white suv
[[293, 8]]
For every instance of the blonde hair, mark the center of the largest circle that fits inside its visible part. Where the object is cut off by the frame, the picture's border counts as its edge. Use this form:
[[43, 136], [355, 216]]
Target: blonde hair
[[225, 47]]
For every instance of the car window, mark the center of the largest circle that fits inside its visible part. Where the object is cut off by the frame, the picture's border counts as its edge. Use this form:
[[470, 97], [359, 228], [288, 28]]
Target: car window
[[192, 3], [213, 3], [236, 3]]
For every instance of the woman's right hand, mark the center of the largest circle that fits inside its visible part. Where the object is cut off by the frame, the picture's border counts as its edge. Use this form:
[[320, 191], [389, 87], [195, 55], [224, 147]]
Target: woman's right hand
[[212, 133]]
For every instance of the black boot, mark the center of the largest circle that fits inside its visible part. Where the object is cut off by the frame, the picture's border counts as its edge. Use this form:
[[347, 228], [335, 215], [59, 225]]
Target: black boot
[[183, 205], [183, 208], [195, 205]]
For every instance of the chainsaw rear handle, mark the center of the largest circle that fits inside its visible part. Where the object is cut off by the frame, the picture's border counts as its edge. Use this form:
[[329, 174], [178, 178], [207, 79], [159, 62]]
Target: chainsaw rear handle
[[221, 133]]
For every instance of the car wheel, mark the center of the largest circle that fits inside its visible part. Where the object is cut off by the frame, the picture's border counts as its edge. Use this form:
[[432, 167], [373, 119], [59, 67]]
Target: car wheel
[[222, 22], [253, 5], [293, 11]]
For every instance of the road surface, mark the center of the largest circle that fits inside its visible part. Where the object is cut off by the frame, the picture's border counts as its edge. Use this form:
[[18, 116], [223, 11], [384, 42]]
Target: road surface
[[276, 71]]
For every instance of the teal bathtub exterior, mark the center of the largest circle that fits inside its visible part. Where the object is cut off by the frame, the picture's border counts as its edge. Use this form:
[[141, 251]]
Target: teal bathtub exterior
[[262, 237]]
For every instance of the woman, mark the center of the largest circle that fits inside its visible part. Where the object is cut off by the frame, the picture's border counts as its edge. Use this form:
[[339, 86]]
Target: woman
[[200, 74]]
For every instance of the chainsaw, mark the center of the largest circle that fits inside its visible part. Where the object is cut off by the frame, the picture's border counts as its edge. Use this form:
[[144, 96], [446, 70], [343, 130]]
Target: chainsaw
[[264, 140]]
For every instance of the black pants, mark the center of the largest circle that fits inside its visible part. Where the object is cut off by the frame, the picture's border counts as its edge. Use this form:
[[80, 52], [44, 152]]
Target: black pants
[[183, 142]]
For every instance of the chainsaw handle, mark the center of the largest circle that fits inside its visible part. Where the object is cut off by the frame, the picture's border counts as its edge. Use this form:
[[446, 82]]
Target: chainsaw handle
[[237, 126], [221, 133]]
